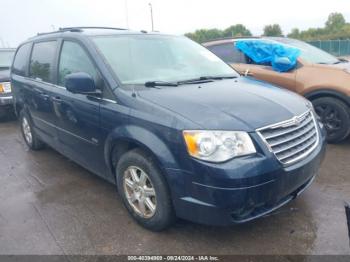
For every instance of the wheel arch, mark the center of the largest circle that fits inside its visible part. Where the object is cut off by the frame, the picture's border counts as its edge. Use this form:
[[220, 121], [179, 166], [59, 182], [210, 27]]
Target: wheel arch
[[126, 138], [328, 93]]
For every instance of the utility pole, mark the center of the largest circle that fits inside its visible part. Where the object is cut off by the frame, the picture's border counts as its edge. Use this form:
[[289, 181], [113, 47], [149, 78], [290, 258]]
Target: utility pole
[[150, 6]]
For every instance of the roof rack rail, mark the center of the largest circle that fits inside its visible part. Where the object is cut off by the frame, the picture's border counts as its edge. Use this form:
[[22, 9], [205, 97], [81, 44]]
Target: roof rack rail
[[78, 28]]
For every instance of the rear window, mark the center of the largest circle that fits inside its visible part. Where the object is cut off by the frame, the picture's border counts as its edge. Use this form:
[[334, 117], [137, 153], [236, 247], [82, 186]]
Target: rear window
[[42, 61], [21, 60]]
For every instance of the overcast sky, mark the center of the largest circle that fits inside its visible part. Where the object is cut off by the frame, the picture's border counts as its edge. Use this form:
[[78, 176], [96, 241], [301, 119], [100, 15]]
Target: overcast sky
[[21, 19]]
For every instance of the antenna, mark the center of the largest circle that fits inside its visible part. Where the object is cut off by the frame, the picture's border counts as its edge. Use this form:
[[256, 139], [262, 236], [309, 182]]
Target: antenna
[[151, 9], [126, 14]]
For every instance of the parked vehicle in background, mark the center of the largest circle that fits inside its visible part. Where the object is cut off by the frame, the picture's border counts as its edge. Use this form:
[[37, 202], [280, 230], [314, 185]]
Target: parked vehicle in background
[[6, 55], [175, 128], [319, 76]]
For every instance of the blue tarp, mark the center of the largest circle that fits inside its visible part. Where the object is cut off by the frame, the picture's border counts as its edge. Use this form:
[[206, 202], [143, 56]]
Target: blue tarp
[[282, 58]]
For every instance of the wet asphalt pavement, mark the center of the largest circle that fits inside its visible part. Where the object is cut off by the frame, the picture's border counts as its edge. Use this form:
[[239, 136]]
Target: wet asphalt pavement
[[50, 205]]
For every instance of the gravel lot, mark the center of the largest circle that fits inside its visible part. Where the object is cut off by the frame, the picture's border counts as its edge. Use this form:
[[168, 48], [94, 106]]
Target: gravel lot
[[50, 205]]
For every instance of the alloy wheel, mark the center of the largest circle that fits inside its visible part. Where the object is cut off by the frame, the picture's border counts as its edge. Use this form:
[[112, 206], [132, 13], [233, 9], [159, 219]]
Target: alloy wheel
[[139, 192], [27, 132], [329, 117]]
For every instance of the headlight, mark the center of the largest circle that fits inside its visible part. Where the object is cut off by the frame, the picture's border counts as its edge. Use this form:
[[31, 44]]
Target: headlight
[[218, 146], [5, 87]]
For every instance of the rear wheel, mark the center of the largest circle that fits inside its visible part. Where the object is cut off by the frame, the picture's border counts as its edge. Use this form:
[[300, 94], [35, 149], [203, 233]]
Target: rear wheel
[[144, 190], [335, 115], [29, 135]]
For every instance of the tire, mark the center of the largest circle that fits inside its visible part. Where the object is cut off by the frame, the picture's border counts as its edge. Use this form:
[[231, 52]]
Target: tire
[[335, 115], [28, 133], [136, 163]]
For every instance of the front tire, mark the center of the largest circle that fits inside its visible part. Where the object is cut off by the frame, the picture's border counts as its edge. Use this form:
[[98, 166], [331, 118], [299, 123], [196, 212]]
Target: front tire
[[28, 133], [144, 190], [335, 115]]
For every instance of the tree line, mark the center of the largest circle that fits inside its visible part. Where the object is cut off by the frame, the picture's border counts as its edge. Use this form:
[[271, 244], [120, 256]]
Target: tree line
[[335, 27]]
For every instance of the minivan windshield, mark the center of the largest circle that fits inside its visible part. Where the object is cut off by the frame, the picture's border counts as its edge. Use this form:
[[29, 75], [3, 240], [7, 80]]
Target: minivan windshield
[[137, 59], [6, 58], [310, 53]]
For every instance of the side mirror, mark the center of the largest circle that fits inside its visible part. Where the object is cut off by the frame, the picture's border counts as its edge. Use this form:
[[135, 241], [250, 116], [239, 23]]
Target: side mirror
[[80, 83]]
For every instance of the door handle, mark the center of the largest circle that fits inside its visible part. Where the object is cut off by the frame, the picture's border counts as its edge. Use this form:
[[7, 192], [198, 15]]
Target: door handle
[[57, 100], [44, 96]]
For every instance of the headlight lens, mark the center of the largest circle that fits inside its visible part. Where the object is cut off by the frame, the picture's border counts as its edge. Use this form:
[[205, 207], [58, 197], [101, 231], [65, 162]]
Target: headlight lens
[[5, 87], [218, 146]]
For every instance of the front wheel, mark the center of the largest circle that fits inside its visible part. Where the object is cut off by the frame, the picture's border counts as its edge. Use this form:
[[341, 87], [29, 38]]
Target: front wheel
[[335, 116], [144, 190]]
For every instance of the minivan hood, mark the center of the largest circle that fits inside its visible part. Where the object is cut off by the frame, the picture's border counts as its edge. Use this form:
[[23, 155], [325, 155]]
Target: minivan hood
[[4, 75], [233, 104]]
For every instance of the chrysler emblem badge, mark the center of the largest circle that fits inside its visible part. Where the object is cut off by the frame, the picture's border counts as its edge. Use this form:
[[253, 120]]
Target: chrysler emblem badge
[[296, 121]]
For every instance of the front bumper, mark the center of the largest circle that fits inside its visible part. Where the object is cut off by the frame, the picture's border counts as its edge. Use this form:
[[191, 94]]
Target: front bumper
[[6, 100], [242, 189]]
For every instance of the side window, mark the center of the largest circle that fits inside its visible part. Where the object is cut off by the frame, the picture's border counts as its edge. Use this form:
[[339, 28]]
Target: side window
[[74, 59], [42, 61], [21, 59], [228, 53]]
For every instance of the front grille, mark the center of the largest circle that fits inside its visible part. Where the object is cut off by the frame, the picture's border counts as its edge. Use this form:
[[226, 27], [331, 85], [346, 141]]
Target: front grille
[[291, 140]]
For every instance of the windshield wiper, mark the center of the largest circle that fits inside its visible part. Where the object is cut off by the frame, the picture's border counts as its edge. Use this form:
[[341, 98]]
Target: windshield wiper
[[340, 61], [154, 84], [335, 63], [204, 79]]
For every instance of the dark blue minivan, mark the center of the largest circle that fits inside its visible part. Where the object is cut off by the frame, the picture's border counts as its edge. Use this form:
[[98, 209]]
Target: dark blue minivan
[[178, 131]]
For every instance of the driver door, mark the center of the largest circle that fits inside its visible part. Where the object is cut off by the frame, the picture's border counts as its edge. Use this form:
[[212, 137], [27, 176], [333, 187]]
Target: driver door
[[78, 115]]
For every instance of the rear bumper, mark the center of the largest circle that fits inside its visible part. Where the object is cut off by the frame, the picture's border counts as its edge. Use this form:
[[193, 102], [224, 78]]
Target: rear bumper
[[242, 190]]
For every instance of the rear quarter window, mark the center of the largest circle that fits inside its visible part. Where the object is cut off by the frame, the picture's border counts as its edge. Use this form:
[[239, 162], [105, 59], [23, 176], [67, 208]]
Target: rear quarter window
[[42, 61], [21, 60], [228, 53]]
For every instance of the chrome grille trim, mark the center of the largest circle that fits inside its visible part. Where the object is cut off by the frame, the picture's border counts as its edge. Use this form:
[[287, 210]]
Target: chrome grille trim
[[291, 140], [311, 128], [287, 131]]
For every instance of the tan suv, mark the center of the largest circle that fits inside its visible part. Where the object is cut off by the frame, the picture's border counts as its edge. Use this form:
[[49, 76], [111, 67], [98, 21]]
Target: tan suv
[[319, 76]]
